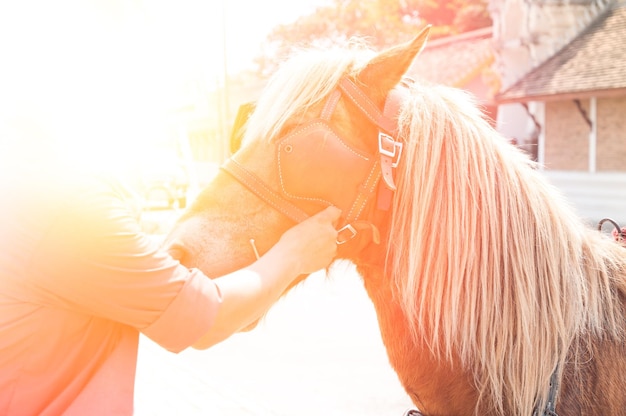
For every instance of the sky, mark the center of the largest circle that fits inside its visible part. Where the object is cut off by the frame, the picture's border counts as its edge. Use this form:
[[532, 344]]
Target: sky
[[110, 67], [173, 39], [251, 20], [205, 25]]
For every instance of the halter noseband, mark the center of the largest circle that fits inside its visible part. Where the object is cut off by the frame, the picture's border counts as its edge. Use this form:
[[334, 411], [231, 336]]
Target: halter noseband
[[290, 201]]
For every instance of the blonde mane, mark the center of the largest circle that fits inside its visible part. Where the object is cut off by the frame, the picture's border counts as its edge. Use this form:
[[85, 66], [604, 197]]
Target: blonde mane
[[491, 265], [306, 78]]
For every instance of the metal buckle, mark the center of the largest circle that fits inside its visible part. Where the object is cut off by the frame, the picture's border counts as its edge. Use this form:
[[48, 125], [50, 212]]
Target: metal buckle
[[413, 412], [347, 227], [387, 146]]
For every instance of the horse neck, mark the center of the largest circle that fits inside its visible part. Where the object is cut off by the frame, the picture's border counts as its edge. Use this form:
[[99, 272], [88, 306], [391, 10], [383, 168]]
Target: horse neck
[[435, 386]]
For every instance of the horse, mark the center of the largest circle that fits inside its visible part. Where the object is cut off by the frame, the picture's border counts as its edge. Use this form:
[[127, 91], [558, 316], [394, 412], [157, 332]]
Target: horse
[[493, 297]]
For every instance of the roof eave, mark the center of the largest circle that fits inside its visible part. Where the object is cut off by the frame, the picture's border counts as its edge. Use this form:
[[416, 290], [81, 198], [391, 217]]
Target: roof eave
[[562, 96]]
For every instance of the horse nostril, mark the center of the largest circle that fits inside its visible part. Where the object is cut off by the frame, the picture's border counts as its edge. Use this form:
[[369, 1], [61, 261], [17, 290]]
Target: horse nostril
[[178, 252]]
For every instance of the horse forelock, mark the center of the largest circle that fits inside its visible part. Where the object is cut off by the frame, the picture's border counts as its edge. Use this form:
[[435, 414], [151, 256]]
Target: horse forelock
[[300, 83], [489, 262]]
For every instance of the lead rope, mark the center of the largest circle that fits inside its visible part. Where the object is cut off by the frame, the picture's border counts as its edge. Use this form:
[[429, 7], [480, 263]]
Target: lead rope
[[550, 409]]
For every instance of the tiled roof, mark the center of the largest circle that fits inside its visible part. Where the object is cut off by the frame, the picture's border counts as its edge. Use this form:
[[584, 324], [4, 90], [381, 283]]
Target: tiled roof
[[592, 64], [455, 60]]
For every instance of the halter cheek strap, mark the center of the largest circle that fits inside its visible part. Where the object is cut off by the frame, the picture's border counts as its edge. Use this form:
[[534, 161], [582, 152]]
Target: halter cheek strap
[[389, 148]]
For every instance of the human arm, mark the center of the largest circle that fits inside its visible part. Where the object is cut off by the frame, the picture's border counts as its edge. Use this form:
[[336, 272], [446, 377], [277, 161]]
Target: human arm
[[96, 261], [248, 293]]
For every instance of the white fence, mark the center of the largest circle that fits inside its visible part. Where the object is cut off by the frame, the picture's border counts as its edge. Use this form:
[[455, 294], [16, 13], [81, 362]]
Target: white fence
[[594, 195]]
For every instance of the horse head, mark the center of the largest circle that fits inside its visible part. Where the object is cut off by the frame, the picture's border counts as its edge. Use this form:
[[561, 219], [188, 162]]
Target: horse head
[[313, 140]]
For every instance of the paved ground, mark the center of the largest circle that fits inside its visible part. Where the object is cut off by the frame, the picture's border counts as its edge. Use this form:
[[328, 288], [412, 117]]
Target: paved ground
[[318, 352]]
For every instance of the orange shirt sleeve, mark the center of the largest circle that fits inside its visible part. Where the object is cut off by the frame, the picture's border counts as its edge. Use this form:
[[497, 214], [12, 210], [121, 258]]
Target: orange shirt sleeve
[[96, 260]]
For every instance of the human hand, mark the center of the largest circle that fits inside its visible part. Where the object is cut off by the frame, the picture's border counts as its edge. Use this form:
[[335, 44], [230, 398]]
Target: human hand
[[312, 244]]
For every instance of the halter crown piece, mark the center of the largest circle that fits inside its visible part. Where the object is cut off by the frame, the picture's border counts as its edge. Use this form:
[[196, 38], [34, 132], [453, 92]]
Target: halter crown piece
[[312, 157]]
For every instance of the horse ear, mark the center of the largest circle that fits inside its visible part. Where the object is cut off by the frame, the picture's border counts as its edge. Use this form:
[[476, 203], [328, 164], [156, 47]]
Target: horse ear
[[386, 69]]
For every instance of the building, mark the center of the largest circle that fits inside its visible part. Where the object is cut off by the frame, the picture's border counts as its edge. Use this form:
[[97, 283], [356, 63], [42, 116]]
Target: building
[[562, 70], [461, 61]]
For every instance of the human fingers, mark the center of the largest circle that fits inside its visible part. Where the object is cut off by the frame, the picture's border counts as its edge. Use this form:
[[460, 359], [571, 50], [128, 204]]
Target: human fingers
[[330, 213]]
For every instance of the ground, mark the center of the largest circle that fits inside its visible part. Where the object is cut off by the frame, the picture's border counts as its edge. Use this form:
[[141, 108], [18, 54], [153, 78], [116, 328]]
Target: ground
[[318, 352]]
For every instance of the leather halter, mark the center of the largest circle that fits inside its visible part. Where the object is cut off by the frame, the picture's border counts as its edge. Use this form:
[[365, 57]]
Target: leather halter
[[381, 166]]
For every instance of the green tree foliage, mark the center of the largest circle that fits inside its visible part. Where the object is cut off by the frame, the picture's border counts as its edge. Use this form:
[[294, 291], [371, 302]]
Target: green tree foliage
[[381, 23]]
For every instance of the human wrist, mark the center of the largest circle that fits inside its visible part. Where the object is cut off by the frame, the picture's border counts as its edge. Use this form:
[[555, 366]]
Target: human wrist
[[278, 264]]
